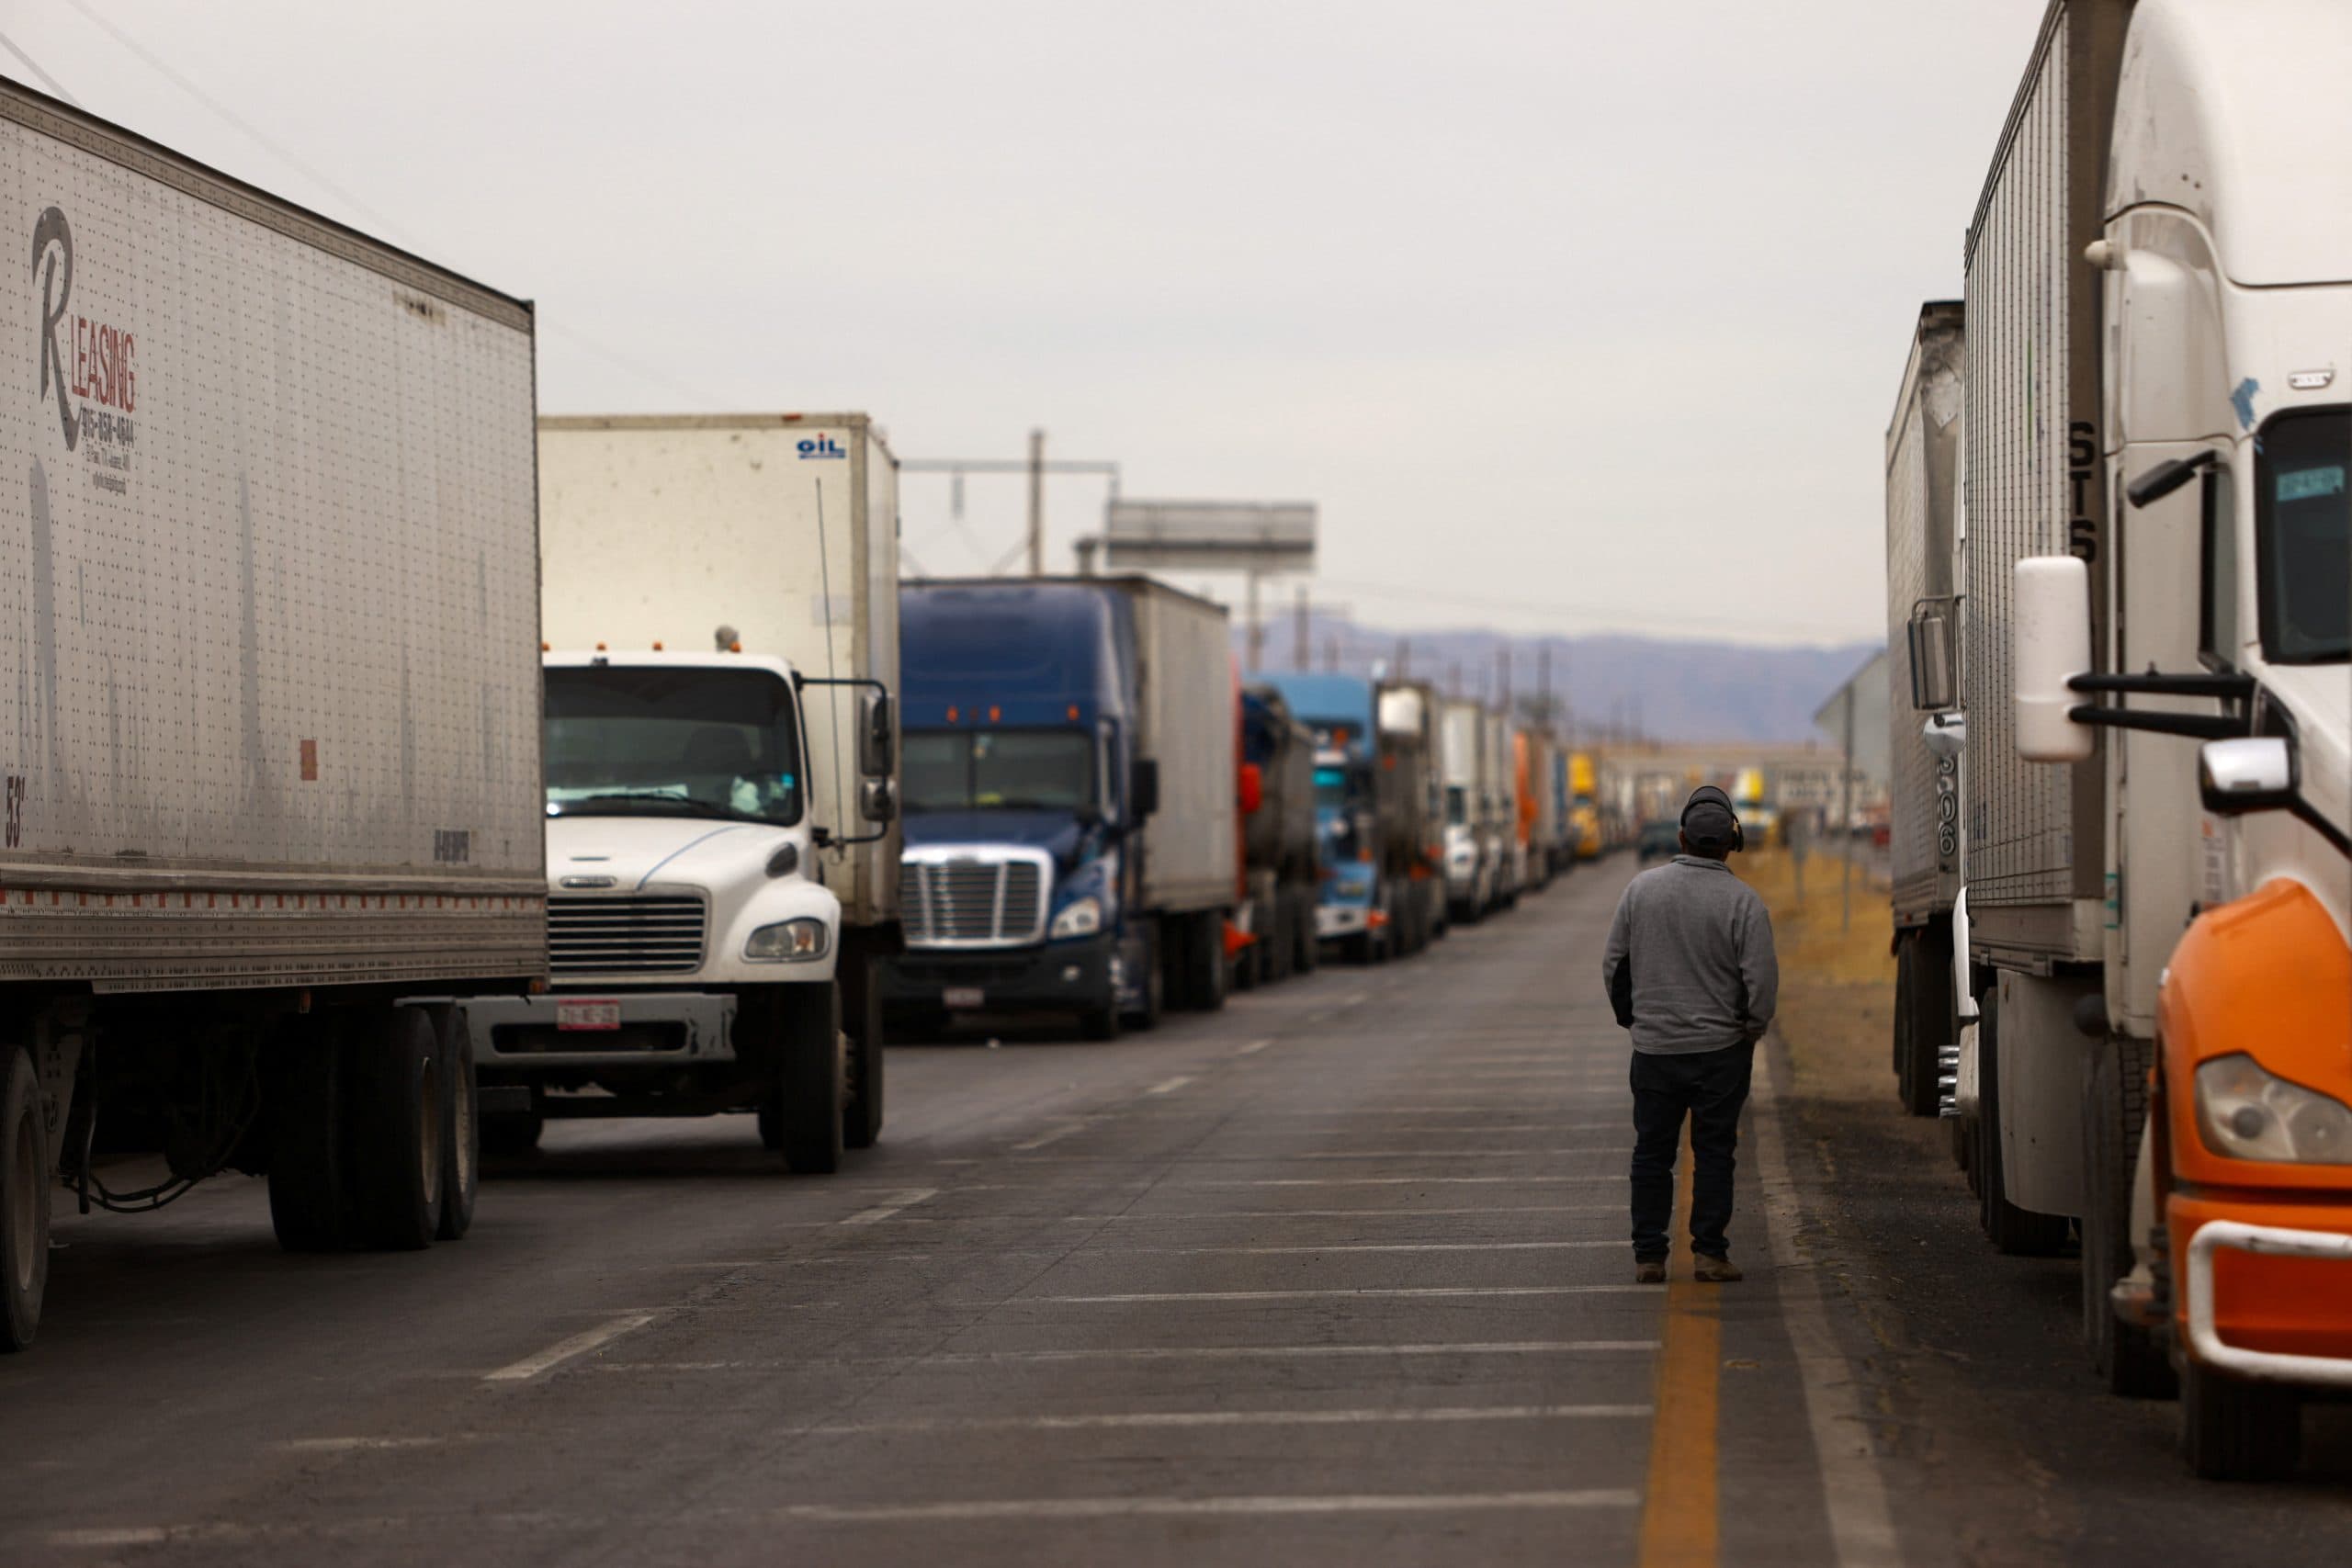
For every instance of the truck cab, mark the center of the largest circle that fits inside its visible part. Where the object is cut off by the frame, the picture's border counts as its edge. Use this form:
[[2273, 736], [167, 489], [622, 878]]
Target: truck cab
[[692, 941], [1340, 710]]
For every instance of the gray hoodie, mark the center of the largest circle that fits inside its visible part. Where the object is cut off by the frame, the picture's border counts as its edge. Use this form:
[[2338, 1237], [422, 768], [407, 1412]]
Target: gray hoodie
[[1690, 964]]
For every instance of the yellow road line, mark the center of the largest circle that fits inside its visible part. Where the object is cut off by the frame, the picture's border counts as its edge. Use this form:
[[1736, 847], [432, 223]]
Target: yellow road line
[[1679, 1508]]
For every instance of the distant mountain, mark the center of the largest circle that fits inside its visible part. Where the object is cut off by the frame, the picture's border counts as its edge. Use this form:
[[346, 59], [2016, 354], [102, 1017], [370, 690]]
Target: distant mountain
[[1663, 689]]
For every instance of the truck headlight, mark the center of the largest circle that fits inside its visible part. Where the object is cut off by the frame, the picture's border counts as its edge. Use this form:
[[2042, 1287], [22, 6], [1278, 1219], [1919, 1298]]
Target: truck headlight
[[788, 941], [1079, 917], [2244, 1113]]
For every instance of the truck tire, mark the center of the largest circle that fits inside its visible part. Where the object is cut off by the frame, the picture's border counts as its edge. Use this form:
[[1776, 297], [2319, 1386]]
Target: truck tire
[[460, 1125], [309, 1199], [1279, 943], [25, 1170], [1209, 967], [1899, 1053], [2115, 1110], [1310, 946], [2233, 1430], [2019, 1233], [861, 1106], [805, 1099], [1100, 1024], [393, 1121], [1932, 1022]]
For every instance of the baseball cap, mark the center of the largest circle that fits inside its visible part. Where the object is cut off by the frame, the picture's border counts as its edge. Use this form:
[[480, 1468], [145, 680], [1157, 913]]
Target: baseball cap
[[1708, 822]]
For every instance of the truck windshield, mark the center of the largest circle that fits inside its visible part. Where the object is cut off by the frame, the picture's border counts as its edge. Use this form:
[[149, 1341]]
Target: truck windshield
[[672, 742], [967, 770], [2303, 537]]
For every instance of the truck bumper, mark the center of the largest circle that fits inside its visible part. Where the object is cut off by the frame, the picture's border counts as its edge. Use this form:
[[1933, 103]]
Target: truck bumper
[[1334, 920], [1064, 975], [2266, 1287], [576, 1030]]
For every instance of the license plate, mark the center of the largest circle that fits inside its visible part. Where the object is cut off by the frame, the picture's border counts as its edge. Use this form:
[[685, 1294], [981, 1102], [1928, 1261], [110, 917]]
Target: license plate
[[587, 1015], [963, 997]]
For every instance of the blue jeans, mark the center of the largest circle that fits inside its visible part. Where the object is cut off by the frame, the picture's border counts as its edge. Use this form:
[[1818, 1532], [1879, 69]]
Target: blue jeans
[[1711, 1086]]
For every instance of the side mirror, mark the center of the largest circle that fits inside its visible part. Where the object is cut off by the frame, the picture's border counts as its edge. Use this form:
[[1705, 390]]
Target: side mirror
[[1143, 789], [2255, 773], [1253, 788], [2051, 620], [877, 800], [1935, 655], [875, 749]]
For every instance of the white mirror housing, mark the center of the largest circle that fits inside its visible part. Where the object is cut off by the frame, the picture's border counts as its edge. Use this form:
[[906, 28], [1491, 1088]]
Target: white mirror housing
[[2052, 625], [2253, 774]]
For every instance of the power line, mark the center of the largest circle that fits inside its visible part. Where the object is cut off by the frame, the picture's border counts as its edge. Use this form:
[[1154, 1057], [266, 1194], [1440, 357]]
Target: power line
[[29, 64], [1424, 594]]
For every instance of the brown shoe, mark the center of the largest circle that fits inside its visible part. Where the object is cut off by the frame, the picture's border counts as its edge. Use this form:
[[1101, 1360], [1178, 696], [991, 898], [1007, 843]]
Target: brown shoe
[[1649, 1271], [1715, 1271]]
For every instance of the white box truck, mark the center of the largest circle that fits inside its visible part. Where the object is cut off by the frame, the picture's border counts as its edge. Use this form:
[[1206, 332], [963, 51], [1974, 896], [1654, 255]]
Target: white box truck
[[720, 596], [2157, 444], [270, 702], [1470, 864]]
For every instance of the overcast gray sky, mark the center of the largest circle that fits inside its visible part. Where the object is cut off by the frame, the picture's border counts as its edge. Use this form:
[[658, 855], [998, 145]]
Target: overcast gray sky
[[1571, 315]]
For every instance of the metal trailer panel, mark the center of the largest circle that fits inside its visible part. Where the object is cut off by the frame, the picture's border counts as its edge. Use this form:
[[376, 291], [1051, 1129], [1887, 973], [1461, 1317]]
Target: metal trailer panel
[[1279, 835], [1401, 772], [1923, 454], [2035, 484], [1184, 680], [663, 529], [1462, 733], [272, 693]]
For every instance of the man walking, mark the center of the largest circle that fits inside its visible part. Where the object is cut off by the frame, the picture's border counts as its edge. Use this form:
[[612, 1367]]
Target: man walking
[[1691, 971]]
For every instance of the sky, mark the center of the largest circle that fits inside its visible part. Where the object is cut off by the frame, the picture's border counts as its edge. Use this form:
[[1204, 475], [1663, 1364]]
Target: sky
[[1569, 317]]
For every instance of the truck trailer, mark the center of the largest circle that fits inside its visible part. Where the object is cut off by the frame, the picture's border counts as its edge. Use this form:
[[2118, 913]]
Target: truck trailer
[[1467, 770], [275, 695], [2155, 452], [1069, 778], [1412, 808], [720, 594]]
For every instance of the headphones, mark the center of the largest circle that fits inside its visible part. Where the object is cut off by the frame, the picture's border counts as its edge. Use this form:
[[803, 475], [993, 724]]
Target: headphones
[[1710, 792]]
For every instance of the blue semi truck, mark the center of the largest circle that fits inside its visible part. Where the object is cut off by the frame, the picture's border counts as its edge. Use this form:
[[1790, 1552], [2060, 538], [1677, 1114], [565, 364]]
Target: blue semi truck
[[1371, 782], [1068, 773]]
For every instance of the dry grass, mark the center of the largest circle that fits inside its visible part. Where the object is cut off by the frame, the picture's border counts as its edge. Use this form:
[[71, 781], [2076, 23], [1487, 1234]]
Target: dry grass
[[1837, 981]]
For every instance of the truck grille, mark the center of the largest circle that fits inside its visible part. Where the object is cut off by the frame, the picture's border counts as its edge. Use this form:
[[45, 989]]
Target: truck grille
[[626, 934], [972, 903]]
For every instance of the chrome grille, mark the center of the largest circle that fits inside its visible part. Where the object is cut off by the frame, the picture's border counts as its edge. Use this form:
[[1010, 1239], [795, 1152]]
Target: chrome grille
[[626, 934], [969, 902]]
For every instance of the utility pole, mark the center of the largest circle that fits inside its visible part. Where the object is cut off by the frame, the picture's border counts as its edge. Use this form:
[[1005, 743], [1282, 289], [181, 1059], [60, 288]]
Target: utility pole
[[1502, 678], [1845, 820], [1404, 657], [1453, 680], [1301, 649], [1330, 653], [1257, 627], [1037, 503], [1544, 680]]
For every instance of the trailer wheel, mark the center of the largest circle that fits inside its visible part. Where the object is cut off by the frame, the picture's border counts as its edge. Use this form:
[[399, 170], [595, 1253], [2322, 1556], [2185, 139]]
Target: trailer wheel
[[2115, 1110], [2021, 1233], [806, 1098], [460, 1125], [1309, 948], [1208, 966], [309, 1198], [2232, 1431], [23, 1201], [394, 1119], [862, 1110], [1899, 1056]]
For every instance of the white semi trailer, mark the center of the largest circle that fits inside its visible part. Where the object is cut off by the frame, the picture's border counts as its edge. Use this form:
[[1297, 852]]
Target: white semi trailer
[[721, 602], [2157, 444], [271, 696], [1469, 857]]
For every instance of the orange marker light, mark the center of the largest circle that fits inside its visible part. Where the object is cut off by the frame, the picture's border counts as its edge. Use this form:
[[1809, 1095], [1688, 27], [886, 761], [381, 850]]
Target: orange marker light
[[951, 715], [995, 713], [657, 648], [1073, 712], [547, 647], [734, 647], [600, 648]]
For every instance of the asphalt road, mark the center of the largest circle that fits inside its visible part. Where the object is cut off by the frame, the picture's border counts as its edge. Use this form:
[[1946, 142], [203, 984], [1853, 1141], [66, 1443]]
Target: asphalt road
[[1337, 1275]]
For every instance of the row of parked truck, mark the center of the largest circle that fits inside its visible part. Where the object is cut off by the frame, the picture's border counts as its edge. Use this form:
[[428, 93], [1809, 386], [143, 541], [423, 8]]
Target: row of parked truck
[[394, 771], [2117, 607]]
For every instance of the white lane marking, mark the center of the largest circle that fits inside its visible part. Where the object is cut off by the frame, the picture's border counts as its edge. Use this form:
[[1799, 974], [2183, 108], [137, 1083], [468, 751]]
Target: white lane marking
[[1057, 1136], [945, 1253], [1182, 1214], [1171, 1087], [1153, 1419], [1413, 1292], [1861, 1526], [1151, 1507], [119, 1535], [1253, 1047], [1395, 1181], [1167, 1353], [1620, 1150], [563, 1350], [353, 1445], [905, 1198]]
